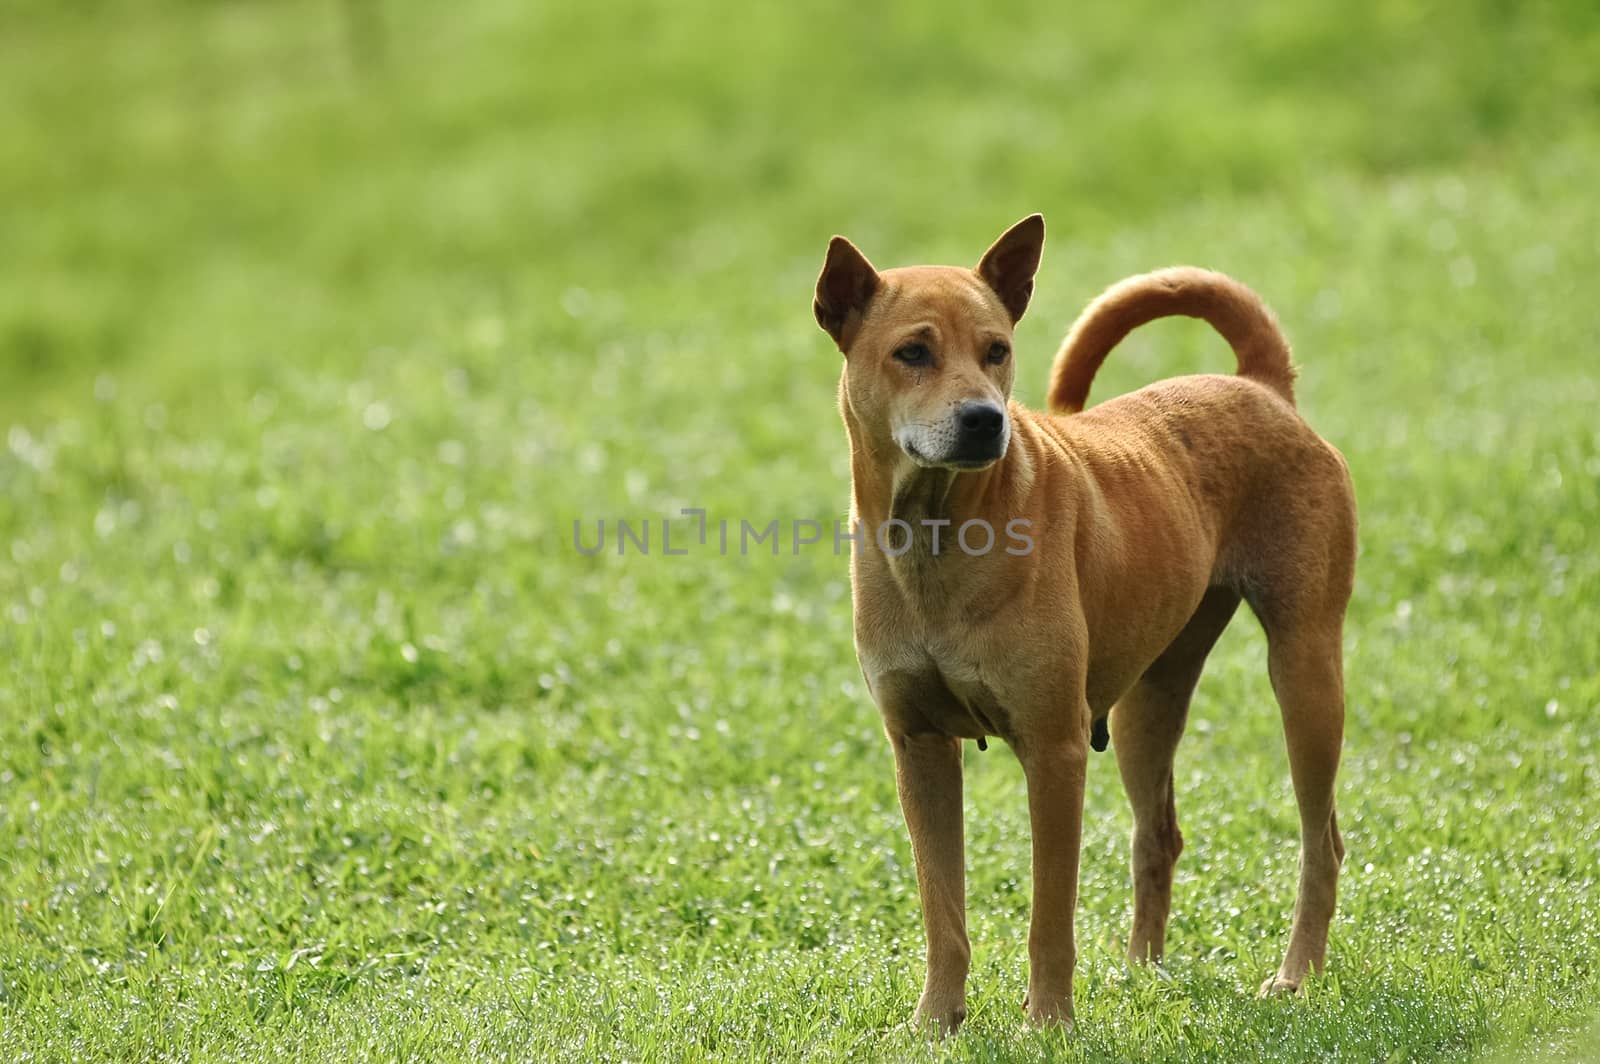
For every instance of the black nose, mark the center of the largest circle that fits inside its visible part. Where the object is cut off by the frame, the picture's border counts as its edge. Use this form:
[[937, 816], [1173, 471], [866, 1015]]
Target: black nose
[[981, 421]]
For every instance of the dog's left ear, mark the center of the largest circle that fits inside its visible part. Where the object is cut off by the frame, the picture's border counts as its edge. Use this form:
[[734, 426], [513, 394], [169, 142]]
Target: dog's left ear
[[847, 283], [1008, 267]]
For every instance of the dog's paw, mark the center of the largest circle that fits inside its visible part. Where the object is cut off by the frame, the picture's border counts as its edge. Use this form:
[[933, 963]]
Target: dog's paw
[[1278, 986], [1048, 1011], [939, 1019]]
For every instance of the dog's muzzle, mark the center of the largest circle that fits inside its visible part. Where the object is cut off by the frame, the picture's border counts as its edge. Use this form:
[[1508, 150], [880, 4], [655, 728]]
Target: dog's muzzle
[[973, 435]]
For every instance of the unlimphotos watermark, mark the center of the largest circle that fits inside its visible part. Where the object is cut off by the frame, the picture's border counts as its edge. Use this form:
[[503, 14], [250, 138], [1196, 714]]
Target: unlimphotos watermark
[[974, 537]]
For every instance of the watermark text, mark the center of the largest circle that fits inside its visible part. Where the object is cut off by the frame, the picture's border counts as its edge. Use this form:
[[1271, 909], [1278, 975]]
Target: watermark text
[[694, 532]]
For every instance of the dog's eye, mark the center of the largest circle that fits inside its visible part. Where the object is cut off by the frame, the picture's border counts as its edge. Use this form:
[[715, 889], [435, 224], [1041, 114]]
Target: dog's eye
[[998, 352], [914, 354]]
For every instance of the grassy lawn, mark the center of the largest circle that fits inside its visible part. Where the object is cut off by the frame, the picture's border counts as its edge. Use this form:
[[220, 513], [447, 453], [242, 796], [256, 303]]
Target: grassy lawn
[[321, 324]]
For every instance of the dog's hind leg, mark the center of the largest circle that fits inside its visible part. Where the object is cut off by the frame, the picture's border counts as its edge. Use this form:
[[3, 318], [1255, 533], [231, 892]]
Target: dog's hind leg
[[1146, 725], [1304, 660]]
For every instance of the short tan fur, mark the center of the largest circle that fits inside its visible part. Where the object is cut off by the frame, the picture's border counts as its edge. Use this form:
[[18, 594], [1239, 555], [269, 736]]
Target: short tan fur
[[1152, 516]]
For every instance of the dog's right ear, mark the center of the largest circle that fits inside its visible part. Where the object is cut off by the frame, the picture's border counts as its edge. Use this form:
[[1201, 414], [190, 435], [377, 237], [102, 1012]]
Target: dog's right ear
[[847, 283]]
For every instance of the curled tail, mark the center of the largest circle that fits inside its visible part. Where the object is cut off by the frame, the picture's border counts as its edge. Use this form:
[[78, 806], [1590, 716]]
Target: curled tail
[[1230, 308]]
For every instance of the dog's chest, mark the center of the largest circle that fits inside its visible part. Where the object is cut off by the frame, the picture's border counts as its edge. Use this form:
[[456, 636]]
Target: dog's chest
[[922, 684], [929, 648]]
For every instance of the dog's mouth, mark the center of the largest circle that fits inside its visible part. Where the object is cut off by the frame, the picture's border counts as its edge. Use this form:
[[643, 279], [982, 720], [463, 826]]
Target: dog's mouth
[[961, 463], [970, 465]]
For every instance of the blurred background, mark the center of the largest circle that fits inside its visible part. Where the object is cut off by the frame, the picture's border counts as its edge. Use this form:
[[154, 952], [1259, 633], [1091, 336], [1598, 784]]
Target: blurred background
[[322, 321], [197, 190]]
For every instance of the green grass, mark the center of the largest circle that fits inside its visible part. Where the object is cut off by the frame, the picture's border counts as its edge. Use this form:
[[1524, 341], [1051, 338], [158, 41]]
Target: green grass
[[318, 330]]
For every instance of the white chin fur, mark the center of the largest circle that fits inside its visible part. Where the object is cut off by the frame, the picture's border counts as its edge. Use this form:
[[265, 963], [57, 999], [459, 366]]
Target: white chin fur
[[929, 446]]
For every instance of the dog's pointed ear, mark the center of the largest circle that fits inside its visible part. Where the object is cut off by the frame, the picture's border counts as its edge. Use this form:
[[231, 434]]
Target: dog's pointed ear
[[1008, 267], [846, 284]]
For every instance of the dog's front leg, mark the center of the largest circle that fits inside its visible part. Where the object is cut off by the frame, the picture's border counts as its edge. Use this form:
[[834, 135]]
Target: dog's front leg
[[928, 774], [1055, 766]]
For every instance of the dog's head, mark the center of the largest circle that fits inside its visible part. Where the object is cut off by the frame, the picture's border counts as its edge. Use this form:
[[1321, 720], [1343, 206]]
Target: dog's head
[[928, 348]]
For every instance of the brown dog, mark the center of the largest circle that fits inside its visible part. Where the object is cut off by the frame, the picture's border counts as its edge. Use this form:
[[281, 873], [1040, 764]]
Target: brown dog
[[1150, 517]]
